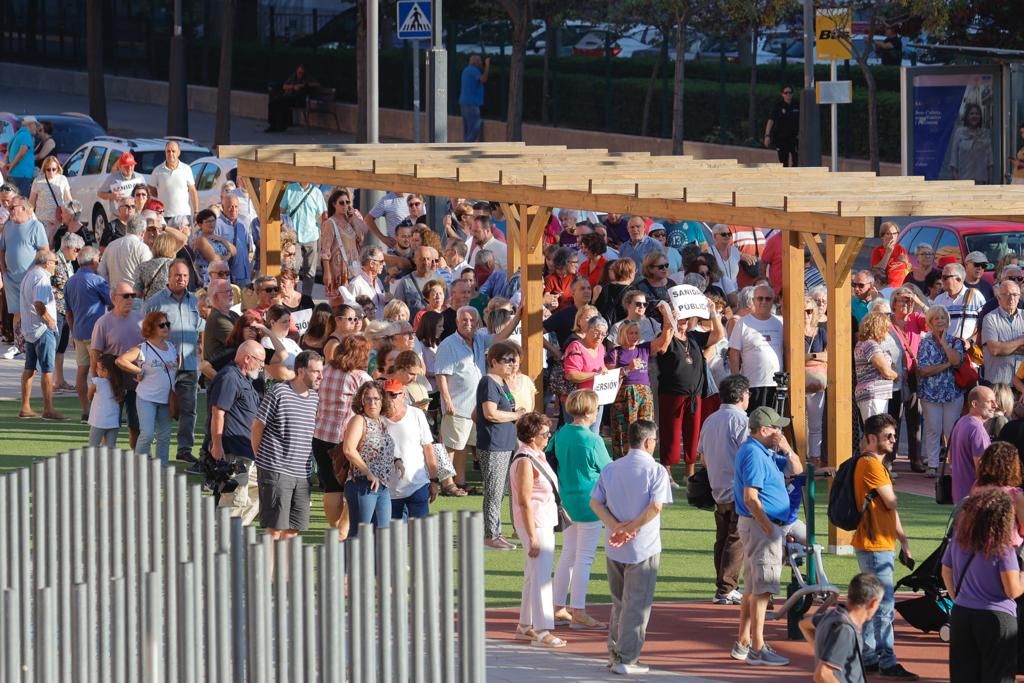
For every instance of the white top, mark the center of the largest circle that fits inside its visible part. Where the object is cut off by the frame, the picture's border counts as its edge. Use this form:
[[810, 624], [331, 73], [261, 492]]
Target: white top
[[121, 259], [46, 208], [36, 287], [290, 346], [760, 345], [493, 245], [360, 285], [159, 368], [410, 435], [963, 311], [172, 188], [104, 412]]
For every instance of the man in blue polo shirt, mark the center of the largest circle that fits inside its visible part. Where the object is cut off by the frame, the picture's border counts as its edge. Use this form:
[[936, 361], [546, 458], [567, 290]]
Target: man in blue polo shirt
[[762, 504], [21, 155], [86, 298], [471, 96]]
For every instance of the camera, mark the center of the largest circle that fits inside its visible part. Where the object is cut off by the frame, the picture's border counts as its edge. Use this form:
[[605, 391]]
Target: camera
[[219, 475]]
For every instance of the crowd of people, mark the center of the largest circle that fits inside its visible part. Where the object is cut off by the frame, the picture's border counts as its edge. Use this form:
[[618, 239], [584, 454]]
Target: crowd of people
[[404, 378]]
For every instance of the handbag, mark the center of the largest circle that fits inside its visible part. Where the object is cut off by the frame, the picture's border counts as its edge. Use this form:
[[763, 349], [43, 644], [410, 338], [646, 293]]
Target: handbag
[[698, 491], [564, 520], [172, 398], [966, 375], [944, 482], [911, 375]]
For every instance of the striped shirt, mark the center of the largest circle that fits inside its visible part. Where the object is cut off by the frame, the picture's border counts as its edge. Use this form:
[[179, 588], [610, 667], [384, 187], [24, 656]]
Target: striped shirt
[[393, 207], [338, 388], [963, 311], [288, 419]]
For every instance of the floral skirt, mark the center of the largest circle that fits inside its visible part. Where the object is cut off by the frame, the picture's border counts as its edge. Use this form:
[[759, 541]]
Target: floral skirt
[[634, 402]]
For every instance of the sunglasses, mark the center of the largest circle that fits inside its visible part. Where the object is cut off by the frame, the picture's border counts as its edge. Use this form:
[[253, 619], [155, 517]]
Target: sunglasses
[[343, 202], [950, 277], [395, 394], [507, 360], [271, 290], [809, 311], [129, 295], [415, 203], [164, 326], [660, 266], [787, 92], [351, 320], [763, 298], [640, 304], [1019, 278], [372, 399], [858, 285], [887, 437]]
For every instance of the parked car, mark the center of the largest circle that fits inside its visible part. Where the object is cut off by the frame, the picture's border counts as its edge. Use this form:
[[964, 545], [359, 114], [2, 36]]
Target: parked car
[[90, 164], [595, 42], [211, 173], [960, 236], [70, 130], [492, 38]]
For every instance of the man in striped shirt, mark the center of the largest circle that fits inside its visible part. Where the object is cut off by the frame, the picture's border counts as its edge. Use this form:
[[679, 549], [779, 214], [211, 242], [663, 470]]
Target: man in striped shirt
[[282, 438]]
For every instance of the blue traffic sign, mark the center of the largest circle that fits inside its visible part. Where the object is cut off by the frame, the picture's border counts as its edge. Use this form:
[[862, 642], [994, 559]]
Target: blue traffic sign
[[414, 19]]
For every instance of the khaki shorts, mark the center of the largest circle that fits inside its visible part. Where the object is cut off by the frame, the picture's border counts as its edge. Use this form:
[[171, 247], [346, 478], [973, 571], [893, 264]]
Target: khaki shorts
[[457, 432], [82, 352], [762, 556]]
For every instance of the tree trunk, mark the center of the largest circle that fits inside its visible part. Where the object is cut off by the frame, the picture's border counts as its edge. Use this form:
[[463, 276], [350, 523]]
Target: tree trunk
[[545, 90], [873, 153], [94, 61], [222, 132], [517, 73], [362, 117], [677, 87], [752, 106], [649, 95]]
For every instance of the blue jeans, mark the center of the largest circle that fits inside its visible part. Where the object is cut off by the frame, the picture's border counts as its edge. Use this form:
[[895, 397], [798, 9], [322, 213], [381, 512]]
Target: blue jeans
[[154, 422], [471, 123], [416, 505], [186, 386], [367, 506], [879, 642]]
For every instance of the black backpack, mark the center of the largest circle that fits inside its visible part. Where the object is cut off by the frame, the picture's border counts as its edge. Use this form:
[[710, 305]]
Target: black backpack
[[843, 510]]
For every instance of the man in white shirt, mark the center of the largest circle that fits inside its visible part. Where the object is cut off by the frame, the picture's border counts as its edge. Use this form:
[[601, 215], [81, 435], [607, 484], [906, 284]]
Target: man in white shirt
[[39, 325], [755, 348], [120, 261], [395, 209], [963, 303], [175, 184], [482, 237]]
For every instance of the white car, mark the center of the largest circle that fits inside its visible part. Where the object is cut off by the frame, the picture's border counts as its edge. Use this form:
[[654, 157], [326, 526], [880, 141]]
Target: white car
[[88, 167], [211, 173]]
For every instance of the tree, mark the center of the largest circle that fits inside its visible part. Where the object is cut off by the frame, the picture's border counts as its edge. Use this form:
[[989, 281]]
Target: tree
[[521, 12], [987, 23], [222, 132]]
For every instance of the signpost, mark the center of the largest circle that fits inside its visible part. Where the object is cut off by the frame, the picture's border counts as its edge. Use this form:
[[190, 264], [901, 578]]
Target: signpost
[[415, 21], [832, 31]]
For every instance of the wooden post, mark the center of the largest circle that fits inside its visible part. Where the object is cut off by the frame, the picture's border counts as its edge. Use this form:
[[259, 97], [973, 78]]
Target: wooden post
[[793, 314], [266, 201], [839, 255], [512, 236], [530, 233]]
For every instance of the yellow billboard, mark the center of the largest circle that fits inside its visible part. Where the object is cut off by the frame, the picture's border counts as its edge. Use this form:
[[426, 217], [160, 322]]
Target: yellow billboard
[[832, 34]]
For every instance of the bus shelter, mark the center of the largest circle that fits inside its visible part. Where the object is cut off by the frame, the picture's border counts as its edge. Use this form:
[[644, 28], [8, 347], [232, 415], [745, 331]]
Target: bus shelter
[[831, 214]]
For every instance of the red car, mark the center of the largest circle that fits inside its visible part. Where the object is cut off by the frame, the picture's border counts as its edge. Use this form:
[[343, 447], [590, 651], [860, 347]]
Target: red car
[[960, 236]]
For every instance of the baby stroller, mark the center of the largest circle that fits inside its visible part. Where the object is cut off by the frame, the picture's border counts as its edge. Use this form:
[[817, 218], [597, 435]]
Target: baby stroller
[[930, 612]]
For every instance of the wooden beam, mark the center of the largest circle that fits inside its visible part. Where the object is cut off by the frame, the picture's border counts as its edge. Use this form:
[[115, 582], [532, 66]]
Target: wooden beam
[[267, 204], [811, 242], [793, 334], [532, 289], [840, 372], [513, 235]]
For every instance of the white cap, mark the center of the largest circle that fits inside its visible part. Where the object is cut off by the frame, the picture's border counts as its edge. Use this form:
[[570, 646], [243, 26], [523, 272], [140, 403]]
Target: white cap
[[29, 119]]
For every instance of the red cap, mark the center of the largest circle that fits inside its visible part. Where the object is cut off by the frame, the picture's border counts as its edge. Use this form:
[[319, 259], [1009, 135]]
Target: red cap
[[946, 260], [393, 386], [154, 205], [127, 159]]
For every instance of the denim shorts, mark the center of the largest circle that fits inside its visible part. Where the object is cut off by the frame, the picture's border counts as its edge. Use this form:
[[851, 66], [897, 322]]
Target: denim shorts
[[42, 353]]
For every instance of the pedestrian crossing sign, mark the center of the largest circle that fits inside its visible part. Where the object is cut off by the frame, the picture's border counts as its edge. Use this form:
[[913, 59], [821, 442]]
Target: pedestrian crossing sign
[[414, 19]]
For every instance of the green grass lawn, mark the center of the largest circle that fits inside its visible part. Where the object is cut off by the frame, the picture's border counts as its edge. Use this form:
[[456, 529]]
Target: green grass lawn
[[687, 571]]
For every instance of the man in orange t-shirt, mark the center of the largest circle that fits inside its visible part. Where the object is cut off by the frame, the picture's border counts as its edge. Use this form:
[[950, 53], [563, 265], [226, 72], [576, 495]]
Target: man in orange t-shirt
[[875, 542], [891, 257]]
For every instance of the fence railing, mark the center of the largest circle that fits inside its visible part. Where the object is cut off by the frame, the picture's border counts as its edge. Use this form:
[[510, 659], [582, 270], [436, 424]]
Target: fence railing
[[116, 568]]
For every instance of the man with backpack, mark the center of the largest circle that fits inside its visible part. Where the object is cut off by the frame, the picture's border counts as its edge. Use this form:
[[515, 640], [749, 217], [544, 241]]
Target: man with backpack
[[875, 540], [836, 633]]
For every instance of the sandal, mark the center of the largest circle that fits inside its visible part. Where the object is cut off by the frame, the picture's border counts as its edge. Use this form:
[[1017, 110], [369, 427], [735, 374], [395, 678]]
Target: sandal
[[525, 633], [64, 386], [548, 640], [450, 490]]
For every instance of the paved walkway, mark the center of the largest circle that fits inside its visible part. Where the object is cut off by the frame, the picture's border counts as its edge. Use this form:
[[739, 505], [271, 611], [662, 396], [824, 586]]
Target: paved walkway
[[512, 663]]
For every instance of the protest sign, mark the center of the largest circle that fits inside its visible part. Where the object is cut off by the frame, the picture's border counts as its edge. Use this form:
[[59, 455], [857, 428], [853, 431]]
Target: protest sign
[[606, 385], [688, 302], [301, 319]]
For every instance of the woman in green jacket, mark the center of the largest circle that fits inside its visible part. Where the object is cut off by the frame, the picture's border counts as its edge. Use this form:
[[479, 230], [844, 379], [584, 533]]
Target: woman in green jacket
[[581, 456]]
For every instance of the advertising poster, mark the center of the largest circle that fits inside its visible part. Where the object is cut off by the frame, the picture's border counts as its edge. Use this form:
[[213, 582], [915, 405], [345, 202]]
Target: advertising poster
[[952, 127]]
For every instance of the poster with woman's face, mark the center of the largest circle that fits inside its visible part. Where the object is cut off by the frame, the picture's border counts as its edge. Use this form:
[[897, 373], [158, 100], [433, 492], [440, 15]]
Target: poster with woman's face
[[953, 136]]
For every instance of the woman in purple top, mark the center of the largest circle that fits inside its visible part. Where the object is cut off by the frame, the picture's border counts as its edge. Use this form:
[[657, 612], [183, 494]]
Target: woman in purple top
[[635, 400], [982, 574]]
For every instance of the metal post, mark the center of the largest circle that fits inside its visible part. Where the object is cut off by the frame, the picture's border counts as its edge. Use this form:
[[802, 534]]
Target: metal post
[[385, 579], [81, 643], [12, 635], [5, 541], [177, 93], [446, 589], [475, 599], [103, 503], [46, 632], [260, 610], [222, 616], [332, 630], [356, 625], [309, 625], [209, 592], [132, 511], [366, 558], [437, 104], [400, 601], [295, 607], [834, 116], [187, 621], [373, 77], [810, 133], [156, 528], [419, 674], [281, 610], [170, 570], [90, 661], [416, 91], [152, 650], [240, 605], [118, 620], [430, 578]]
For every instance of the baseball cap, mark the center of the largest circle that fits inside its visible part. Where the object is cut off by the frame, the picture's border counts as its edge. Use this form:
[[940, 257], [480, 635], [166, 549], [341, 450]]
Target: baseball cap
[[29, 119], [979, 258], [154, 205], [127, 159], [655, 227], [393, 386], [766, 417]]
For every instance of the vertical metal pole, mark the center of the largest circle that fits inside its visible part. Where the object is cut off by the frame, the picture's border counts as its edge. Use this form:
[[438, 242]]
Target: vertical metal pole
[[431, 579], [295, 607], [132, 508], [12, 635], [5, 541], [198, 553], [385, 581], [157, 504], [356, 626], [152, 649], [474, 607], [416, 91], [119, 665], [281, 610], [834, 114], [80, 644], [463, 551], [40, 496], [810, 126], [103, 503], [239, 605], [400, 557], [170, 573], [13, 514], [46, 632], [26, 588], [187, 621], [91, 660], [332, 631], [366, 559], [373, 77], [51, 570], [309, 626], [419, 656], [445, 590], [222, 631], [117, 510], [209, 559]]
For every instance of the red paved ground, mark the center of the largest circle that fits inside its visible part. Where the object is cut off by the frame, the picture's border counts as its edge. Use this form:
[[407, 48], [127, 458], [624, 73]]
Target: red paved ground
[[694, 639]]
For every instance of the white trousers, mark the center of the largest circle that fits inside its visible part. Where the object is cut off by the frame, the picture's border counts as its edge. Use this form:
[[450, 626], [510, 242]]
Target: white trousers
[[872, 407], [815, 423], [537, 609], [579, 545], [938, 422]]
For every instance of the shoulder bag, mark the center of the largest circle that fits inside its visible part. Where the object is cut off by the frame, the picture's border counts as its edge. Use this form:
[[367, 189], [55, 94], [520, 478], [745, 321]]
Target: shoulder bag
[[944, 482], [564, 520], [293, 212], [172, 398], [911, 360]]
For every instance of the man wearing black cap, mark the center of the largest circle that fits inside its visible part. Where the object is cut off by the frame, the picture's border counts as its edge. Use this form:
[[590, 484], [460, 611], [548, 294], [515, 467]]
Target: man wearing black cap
[[976, 264], [762, 503]]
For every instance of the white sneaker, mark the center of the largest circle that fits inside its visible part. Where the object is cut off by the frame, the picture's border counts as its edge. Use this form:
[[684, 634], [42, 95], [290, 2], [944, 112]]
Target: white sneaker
[[10, 353], [624, 669], [735, 595]]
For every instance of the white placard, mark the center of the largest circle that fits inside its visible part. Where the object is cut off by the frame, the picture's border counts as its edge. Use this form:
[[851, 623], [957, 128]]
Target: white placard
[[123, 188], [301, 319], [688, 302], [607, 386]]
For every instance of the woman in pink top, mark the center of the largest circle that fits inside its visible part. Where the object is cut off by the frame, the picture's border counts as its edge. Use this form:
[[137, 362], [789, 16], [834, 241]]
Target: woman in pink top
[[908, 324], [999, 467], [583, 360], [535, 514], [344, 373]]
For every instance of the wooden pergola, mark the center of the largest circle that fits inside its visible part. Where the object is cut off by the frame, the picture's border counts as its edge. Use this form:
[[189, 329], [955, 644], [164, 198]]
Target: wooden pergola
[[829, 213]]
